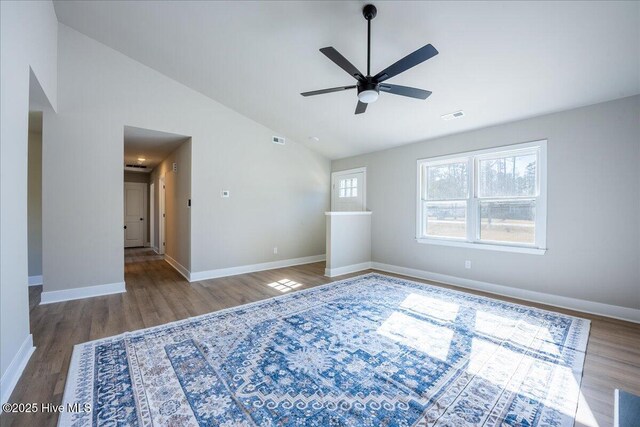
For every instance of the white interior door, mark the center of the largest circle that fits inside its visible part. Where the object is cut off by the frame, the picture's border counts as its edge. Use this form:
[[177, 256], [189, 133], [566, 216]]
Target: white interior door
[[348, 190], [135, 198]]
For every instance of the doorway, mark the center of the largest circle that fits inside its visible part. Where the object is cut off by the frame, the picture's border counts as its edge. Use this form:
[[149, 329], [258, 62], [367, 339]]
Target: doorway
[[349, 190], [39, 107], [157, 197]]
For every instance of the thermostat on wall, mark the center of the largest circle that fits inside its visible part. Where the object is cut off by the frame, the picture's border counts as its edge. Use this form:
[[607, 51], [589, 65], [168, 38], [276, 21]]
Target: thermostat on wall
[[226, 193]]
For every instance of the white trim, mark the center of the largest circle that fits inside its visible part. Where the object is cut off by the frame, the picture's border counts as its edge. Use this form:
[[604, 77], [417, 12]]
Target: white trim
[[616, 408], [339, 271], [156, 250], [79, 293], [242, 269], [362, 170], [184, 271], [14, 371], [591, 307], [35, 280], [348, 213], [485, 246]]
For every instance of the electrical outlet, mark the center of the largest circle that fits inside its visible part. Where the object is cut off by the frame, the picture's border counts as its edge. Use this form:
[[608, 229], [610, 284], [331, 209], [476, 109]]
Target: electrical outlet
[[275, 249], [467, 264]]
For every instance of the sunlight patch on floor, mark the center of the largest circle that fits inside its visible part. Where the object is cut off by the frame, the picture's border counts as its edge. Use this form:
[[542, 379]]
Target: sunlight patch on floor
[[432, 307], [421, 335], [284, 285]]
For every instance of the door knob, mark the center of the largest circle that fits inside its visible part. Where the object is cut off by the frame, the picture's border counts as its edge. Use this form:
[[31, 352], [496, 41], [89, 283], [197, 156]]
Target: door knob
[[141, 219], [125, 227]]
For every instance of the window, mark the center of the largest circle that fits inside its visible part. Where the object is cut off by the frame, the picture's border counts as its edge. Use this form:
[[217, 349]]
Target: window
[[490, 199], [348, 187]]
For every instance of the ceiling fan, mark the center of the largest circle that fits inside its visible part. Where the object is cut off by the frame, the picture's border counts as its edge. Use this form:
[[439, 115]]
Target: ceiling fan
[[368, 86]]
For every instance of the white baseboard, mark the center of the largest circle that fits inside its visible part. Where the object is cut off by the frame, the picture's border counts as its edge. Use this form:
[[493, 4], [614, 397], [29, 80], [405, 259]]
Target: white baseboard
[[156, 250], [35, 280], [339, 271], [242, 269], [591, 307], [79, 293], [178, 267], [11, 376]]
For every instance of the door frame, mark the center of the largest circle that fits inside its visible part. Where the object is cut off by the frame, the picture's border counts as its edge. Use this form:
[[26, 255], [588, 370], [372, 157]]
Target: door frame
[[337, 174], [161, 215], [152, 212]]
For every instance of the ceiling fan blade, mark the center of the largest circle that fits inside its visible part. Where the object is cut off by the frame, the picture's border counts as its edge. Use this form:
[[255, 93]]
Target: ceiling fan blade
[[411, 60], [333, 89], [361, 107], [411, 92], [342, 62]]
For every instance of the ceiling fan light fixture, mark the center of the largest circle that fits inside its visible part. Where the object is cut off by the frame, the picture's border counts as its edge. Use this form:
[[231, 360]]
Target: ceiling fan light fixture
[[368, 96]]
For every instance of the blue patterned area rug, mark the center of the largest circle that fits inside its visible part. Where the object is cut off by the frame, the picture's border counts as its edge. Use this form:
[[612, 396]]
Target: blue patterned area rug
[[368, 351]]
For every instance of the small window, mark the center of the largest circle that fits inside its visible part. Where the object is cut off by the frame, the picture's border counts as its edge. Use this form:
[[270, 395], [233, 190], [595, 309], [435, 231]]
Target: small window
[[492, 197], [348, 188]]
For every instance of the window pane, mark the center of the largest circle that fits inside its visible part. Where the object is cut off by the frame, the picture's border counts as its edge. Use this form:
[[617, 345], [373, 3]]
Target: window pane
[[508, 221], [445, 219], [354, 192], [510, 175], [447, 181], [343, 183]]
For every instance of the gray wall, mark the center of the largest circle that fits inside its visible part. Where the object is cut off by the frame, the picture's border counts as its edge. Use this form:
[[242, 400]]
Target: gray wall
[[278, 193], [593, 221], [177, 195], [34, 203]]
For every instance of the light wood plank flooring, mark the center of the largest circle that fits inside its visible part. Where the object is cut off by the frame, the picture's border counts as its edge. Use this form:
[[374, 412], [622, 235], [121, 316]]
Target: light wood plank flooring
[[157, 294]]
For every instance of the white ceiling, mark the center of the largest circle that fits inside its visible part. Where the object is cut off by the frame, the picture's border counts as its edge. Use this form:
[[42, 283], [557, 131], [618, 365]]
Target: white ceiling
[[152, 145], [499, 61]]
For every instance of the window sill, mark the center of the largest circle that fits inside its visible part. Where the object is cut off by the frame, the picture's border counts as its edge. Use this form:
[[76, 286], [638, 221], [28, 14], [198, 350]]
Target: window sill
[[484, 246], [333, 213]]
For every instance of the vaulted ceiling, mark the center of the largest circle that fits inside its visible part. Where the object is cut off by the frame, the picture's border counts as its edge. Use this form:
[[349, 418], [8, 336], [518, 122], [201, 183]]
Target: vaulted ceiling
[[498, 61]]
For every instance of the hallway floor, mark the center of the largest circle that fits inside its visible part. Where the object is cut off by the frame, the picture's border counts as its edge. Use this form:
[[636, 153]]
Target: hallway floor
[[141, 255]]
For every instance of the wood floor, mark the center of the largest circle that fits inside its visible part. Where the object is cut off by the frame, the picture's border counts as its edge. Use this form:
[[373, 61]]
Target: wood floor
[[157, 294]]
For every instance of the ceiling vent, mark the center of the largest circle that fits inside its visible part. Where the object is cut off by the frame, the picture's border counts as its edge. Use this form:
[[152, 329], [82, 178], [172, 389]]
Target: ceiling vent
[[278, 140], [454, 115]]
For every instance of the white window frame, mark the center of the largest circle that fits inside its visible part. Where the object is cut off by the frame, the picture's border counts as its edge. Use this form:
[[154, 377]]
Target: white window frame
[[472, 239]]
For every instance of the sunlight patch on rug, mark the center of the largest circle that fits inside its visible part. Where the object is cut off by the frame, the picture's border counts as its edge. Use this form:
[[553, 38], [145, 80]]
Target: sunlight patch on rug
[[368, 351]]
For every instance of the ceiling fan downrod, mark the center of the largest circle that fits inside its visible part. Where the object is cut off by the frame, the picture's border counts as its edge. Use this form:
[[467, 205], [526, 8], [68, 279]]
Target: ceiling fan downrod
[[369, 12]]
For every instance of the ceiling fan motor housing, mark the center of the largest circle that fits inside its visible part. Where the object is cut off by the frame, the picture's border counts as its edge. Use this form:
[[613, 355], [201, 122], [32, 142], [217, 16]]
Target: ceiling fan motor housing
[[368, 84], [368, 90]]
